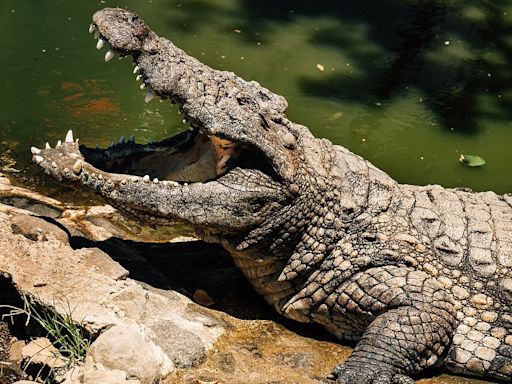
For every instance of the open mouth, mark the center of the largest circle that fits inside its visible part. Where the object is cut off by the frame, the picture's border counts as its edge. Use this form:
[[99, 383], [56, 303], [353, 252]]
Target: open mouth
[[188, 157]]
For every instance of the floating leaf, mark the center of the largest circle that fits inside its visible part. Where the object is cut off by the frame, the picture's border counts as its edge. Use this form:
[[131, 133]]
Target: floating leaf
[[471, 160]]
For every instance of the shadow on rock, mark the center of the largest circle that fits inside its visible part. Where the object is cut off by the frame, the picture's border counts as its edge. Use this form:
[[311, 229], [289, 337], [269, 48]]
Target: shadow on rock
[[196, 268]]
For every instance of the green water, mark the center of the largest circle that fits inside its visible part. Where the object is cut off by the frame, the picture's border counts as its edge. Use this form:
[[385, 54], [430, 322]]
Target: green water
[[409, 85]]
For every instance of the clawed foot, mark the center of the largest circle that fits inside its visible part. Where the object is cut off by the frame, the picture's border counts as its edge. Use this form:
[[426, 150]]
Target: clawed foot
[[365, 375]]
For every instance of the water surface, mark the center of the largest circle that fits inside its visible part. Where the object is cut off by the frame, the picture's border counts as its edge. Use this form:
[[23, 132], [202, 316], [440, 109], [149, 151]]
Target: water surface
[[409, 85]]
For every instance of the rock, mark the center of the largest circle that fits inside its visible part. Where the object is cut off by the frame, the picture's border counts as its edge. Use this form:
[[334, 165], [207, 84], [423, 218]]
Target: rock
[[95, 227], [4, 180], [185, 348], [179, 330], [99, 260], [94, 373], [72, 376], [15, 351], [100, 211], [203, 298], [25, 201], [127, 349], [41, 351], [35, 228]]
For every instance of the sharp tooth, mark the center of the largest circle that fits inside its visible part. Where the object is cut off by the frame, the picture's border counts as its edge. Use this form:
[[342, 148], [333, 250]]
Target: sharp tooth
[[134, 179], [92, 28], [100, 43], [109, 55], [47, 145], [132, 139], [155, 180], [77, 167], [136, 69], [38, 159], [35, 151], [146, 179], [54, 164], [121, 140], [96, 34], [138, 78], [149, 96], [59, 143], [142, 86], [123, 182], [69, 137]]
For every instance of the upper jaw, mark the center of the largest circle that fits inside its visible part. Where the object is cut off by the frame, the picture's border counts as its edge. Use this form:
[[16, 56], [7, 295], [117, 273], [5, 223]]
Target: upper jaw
[[219, 103], [125, 30], [118, 43]]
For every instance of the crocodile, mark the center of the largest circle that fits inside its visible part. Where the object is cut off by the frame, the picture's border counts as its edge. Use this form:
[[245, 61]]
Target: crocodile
[[417, 277]]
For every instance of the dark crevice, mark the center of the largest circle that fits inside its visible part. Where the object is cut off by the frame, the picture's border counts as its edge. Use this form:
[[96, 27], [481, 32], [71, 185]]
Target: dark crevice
[[11, 297], [15, 328], [188, 266], [20, 327]]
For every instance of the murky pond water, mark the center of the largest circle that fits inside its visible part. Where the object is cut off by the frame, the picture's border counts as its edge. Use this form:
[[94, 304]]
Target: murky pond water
[[409, 85]]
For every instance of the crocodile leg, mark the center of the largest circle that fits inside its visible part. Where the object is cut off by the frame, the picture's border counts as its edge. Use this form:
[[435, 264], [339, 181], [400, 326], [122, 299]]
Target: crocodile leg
[[409, 322], [412, 325], [398, 342]]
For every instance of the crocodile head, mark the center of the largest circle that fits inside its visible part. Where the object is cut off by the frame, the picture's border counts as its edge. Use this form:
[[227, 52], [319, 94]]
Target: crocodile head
[[232, 171]]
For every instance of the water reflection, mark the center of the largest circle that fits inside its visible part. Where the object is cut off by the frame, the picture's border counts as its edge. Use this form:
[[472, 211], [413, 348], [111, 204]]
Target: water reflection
[[455, 53]]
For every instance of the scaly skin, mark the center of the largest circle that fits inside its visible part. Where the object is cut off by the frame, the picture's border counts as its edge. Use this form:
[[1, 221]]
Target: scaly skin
[[418, 276]]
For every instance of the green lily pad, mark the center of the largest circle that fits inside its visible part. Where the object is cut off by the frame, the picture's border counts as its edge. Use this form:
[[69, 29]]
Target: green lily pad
[[471, 160]]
